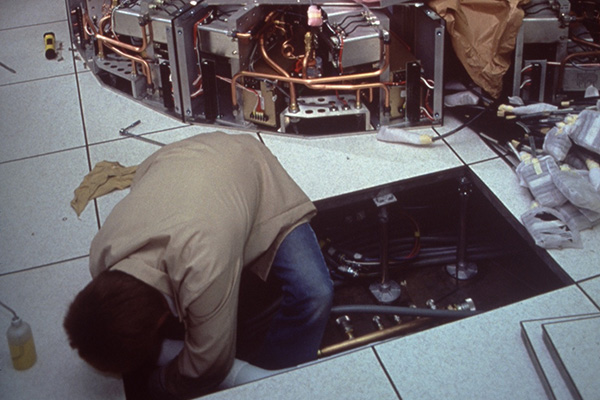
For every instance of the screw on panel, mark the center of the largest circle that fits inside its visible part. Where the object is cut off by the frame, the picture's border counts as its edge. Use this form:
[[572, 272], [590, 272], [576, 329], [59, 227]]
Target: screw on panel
[[467, 304], [345, 323], [378, 323], [431, 304]]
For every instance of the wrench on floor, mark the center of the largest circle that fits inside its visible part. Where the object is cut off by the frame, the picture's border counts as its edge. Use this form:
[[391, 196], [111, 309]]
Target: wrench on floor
[[125, 132]]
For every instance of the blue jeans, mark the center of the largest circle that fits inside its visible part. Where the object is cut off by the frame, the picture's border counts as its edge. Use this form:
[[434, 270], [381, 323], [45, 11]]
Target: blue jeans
[[296, 330]]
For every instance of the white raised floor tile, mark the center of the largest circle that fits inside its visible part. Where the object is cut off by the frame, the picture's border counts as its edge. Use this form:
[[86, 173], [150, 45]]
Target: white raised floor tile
[[39, 117], [41, 297], [106, 111], [30, 12], [23, 51], [331, 166], [37, 224], [355, 376], [480, 357]]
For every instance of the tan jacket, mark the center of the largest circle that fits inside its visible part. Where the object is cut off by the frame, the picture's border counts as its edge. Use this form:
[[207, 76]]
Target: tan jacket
[[199, 211]]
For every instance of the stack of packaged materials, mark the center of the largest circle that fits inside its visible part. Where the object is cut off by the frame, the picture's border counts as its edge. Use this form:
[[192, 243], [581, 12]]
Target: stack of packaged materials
[[564, 179]]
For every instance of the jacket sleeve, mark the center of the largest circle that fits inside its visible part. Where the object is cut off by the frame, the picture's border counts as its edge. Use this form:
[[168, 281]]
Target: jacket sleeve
[[209, 348]]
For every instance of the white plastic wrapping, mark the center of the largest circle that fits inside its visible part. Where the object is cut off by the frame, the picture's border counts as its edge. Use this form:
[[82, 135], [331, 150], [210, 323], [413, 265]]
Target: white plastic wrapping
[[591, 91], [592, 216], [585, 131], [576, 187], [532, 108], [594, 174], [577, 218], [557, 143], [533, 172], [549, 230], [515, 101], [399, 135], [464, 98]]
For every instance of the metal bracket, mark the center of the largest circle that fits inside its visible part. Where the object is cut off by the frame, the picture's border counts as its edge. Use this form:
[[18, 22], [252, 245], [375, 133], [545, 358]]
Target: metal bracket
[[383, 199], [387, 290], [463, 270]]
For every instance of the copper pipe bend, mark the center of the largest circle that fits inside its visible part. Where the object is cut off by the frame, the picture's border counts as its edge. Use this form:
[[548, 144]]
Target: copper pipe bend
[[314, 82]]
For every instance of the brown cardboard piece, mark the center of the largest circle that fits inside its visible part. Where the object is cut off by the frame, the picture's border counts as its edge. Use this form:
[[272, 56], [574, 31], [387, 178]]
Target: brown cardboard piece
[[483, 34]]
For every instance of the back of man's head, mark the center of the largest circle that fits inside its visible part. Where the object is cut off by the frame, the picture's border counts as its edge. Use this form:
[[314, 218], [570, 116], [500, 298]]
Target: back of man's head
[[114, 322]]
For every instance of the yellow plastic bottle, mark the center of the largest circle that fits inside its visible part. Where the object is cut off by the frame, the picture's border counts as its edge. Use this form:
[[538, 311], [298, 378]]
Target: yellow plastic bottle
[[21, 345]]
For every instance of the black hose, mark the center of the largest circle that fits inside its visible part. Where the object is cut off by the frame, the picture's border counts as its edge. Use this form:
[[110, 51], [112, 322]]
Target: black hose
[[364, 271], [458, 128], [435, 252], [407, 311]]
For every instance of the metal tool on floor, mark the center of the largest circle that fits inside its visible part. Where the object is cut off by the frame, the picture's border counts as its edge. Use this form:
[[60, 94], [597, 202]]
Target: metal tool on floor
[[125, 132], [6, 67]]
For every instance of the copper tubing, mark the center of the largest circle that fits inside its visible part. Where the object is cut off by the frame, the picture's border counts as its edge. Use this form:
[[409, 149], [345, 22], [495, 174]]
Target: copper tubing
[[307, 53], [240, 35], [112, 44], [309, 83], [358, 87], [103, 22], [134, 59], [585, 42], [358, 101], [317, 81], [277, 68], [287, 50], [272, 64], [373, 337], [330, 79], [361, 76], [101, 38]]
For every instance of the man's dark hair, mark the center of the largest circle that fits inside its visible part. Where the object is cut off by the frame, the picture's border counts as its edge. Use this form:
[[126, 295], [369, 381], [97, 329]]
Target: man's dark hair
[[114, 322]]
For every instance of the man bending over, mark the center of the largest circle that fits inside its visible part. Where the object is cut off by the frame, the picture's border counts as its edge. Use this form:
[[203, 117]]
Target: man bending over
[[200, 212]]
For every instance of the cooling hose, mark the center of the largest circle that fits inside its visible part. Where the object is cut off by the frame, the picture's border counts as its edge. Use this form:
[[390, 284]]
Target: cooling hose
[[407, 311]]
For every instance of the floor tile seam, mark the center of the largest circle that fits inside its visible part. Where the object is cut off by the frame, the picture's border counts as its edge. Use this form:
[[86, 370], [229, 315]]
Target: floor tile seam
[[84, 146], [32, 25], [483, 161], [49, 153], [386, 372], [453, 150], [586, 294], [314, 136], [85, 137], [498, 155], [588, 278], [36, 79], [51, 264]]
